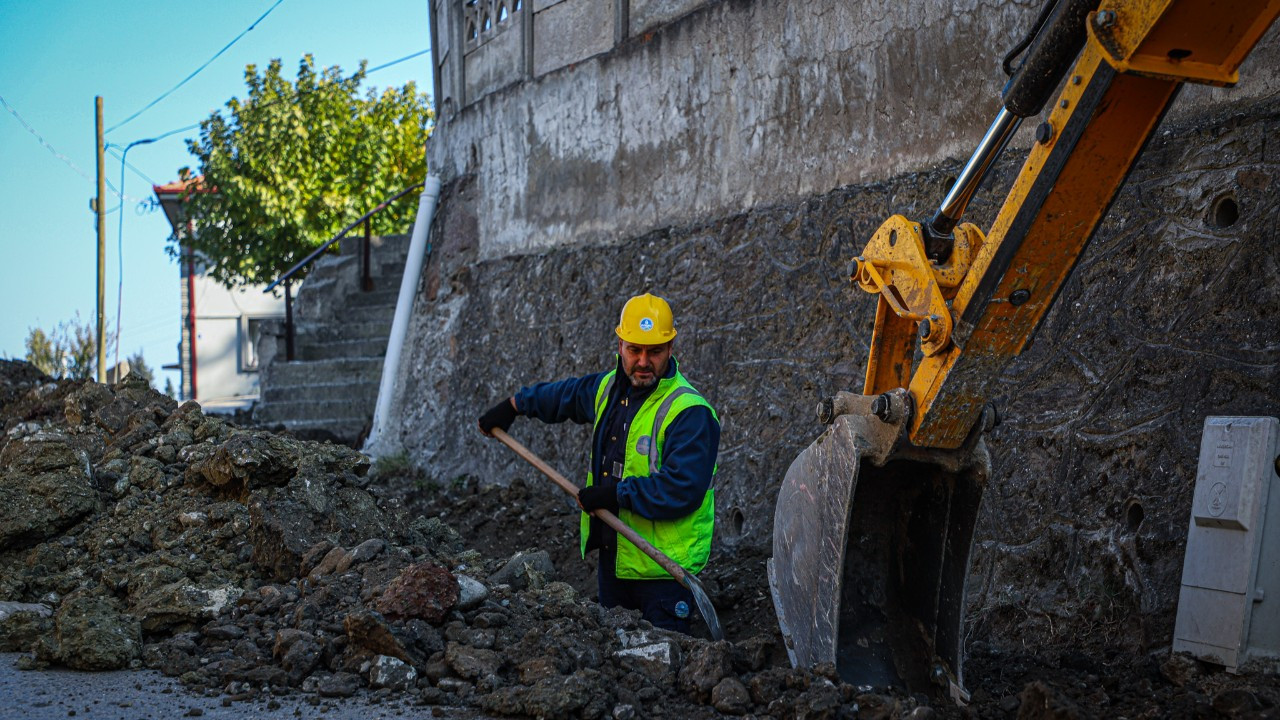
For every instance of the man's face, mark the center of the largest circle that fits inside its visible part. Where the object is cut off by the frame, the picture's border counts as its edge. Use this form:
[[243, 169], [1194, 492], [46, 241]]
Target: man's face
[[644, 364]]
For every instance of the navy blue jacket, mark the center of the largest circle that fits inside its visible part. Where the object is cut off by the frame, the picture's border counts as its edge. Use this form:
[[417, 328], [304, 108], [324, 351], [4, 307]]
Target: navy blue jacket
[[688, 450]]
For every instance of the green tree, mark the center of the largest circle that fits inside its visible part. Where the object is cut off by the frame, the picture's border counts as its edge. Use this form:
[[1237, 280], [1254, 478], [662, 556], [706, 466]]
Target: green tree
[[289, 166], [70, 350]]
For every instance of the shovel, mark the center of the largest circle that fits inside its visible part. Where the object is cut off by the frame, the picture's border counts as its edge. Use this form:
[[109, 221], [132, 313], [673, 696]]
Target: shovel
[[684, 577]]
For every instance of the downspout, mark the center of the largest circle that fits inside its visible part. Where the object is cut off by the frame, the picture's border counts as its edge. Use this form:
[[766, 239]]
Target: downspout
[[419, 248], [191, 317]]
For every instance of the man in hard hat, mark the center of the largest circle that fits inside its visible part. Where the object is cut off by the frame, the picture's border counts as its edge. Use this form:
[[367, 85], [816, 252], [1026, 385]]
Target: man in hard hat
[[653, 457]]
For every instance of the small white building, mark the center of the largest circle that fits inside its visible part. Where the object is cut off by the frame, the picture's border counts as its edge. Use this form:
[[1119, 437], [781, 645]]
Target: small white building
[[217, 355]]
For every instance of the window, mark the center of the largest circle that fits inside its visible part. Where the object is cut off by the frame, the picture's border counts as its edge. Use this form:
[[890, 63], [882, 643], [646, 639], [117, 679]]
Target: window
[[250, 333]]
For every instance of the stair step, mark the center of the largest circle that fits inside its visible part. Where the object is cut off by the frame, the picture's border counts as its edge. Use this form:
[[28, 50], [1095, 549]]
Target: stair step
[[312, 372], [316, 333], [361, 390], [361, 314], [351, 409], [379, 297], [344, 431], [358, 348], [330, 266], [382, 247]]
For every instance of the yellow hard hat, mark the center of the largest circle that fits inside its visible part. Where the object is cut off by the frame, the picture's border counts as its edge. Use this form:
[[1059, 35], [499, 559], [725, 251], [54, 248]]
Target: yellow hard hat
[[646, 320]]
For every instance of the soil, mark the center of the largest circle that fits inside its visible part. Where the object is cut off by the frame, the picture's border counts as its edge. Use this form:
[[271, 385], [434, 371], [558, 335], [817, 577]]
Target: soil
[[136, 532]]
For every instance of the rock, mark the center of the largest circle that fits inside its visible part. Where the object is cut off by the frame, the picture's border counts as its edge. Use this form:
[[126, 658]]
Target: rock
[[730, 696], [624, 712], [1236, 702], [367, 550], [369, 632], [471, 593], [285, 523], [1180, 669], [314, 556], [525, 569], [341, 684], [249, 460], [708, 664], [390, 672], [81, 403], [422, 590], [45, 488], [145, 473], [180, 603], [471, 663], [22, 624], [540, 668], [1039, 701], [655, 660], [333, 560], [872, 706], [90, 633], [298, 652], [556, 697]]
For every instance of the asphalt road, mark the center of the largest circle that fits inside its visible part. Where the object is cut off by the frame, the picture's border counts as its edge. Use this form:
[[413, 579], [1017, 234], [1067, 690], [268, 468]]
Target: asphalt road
[[135, 695]]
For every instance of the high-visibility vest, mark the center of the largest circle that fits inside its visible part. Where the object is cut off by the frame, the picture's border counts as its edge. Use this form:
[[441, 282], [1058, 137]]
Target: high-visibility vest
[[686, 540]]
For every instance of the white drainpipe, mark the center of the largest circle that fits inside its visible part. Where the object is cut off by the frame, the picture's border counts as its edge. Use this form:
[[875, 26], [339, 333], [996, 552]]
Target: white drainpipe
[[404, 308]]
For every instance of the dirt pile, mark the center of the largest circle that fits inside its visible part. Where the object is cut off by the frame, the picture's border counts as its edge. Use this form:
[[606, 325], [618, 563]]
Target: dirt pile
[[137, 532]]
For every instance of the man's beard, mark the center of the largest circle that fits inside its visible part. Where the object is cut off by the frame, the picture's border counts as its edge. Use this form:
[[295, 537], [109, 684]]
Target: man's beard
[[643, 385]]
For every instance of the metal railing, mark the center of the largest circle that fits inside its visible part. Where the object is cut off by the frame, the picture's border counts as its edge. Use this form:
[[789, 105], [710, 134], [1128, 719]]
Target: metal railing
[[366, 277]]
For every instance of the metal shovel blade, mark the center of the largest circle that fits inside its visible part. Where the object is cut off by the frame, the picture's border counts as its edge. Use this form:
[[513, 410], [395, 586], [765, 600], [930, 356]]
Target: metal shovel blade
[[705, 607], [870, 556]]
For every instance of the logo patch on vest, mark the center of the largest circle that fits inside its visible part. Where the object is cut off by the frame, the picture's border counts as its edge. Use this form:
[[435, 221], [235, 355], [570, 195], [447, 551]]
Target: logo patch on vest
[[646, 324], [642, 445], [682, 609]]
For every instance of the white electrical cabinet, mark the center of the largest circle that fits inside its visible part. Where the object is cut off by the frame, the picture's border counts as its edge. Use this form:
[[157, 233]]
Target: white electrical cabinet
[[1229, 604]]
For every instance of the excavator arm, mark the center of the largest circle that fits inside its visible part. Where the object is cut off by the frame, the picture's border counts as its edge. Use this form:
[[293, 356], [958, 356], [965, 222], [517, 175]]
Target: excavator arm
[[874, 521]]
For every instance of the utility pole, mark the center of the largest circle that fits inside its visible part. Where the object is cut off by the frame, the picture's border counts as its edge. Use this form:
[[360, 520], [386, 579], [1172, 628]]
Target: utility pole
[[100, 206]]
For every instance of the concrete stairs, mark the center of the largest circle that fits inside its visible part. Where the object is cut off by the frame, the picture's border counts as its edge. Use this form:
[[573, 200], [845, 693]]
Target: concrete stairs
[[330, 389]]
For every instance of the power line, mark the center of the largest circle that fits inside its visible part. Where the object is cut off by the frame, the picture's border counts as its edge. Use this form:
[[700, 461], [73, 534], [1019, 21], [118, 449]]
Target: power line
[[44, 142], [304, 93], [397, 62], [197, 70], [66, 160], [115, 150]]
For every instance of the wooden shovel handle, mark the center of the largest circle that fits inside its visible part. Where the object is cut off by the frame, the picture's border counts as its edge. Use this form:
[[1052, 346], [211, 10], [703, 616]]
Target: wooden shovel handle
[[609, 518]]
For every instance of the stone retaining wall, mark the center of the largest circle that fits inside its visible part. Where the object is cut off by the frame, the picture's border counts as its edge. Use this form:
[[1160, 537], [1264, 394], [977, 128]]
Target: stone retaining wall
[[1167, 319]]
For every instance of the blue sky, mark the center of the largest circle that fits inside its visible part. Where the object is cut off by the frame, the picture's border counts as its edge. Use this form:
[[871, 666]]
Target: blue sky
[[56, 55]]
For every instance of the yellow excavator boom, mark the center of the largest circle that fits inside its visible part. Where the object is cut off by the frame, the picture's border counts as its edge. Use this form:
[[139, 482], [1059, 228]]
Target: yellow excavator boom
[[874, 521]]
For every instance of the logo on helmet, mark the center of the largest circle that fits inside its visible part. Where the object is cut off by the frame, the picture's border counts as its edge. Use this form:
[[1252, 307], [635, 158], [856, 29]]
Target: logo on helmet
[[646, 324], [682, 609]]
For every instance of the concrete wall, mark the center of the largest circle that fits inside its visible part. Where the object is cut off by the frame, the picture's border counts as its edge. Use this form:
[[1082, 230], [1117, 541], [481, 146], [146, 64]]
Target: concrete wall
[[730, 106], [733, 159]]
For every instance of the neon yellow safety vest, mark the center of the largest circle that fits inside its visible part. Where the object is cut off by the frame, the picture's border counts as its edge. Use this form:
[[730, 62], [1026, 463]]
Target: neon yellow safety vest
[[686, 540]]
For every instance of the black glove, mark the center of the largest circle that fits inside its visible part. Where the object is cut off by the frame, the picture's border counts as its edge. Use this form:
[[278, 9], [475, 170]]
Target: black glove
[[499, 416], [601, 496]]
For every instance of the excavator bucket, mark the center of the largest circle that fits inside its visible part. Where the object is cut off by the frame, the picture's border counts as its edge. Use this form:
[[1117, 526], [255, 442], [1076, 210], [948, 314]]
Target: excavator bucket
[[871, 547]]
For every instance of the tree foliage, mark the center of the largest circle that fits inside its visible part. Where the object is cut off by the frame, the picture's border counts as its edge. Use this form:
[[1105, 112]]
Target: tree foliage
[[293, 163], [70, 350]]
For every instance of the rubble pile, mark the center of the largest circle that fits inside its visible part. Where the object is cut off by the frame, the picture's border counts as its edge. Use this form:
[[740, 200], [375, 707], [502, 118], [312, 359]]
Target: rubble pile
[[137, 532]]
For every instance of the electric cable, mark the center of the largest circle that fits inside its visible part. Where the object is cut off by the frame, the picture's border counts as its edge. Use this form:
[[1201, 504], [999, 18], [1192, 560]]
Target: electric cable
[[318, 88], [197, 70], [66, 160], [115, 152], [120, 239]]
